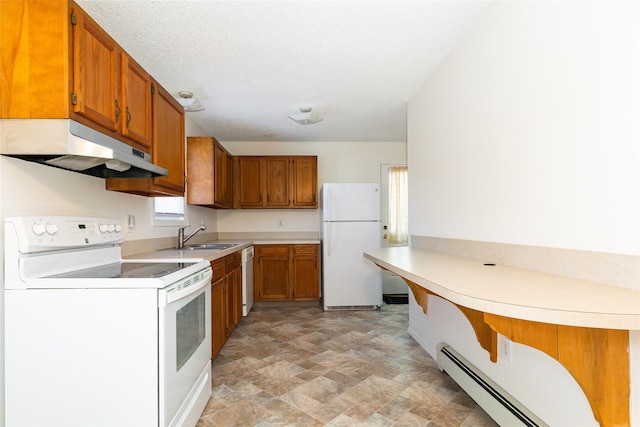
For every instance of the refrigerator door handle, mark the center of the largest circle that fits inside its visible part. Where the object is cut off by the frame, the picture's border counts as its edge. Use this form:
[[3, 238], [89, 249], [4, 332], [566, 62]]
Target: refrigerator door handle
[[329, 236], [329, 213]]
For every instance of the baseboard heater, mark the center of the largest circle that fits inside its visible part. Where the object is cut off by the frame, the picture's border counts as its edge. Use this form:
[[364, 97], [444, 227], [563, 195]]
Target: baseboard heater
[[350, 307], [496, 402]]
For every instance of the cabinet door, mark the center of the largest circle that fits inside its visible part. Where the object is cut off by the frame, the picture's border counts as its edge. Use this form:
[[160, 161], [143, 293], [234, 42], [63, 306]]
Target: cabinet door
[[95, 73], [272, 276], [249, 182], [168, 140], [218, 315], [218, 307], [228, 180], [220, 158], [200, 166], [34, 59], [233, 288], [305, 267], [237, 298], [277, 181], [304, 181], [229, 303], [136, 93]]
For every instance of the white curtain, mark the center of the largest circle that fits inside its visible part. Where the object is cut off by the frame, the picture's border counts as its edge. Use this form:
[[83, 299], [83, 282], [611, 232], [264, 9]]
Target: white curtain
[[398, 205]]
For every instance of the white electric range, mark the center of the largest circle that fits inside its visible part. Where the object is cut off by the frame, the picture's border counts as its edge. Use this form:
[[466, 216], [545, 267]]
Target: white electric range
[[92, 339]]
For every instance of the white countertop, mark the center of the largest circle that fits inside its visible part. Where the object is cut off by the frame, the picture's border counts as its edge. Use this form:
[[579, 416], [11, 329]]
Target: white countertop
[[514, 292], [189, 254], [198, 254]]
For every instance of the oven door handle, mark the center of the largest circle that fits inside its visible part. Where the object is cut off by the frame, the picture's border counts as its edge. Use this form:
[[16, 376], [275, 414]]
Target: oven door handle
[[167, 297]]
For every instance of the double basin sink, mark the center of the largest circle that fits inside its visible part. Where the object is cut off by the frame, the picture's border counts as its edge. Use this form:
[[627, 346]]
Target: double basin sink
[[204, 246]]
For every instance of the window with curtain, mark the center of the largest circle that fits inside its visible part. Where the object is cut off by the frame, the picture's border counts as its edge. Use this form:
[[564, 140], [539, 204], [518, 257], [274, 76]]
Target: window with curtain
[[398, 205]]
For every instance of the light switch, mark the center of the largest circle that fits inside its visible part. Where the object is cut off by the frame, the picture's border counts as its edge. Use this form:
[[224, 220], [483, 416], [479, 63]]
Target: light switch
[[131, 222]]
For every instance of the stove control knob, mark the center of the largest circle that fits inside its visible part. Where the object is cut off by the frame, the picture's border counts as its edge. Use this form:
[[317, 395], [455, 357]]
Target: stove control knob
[[118, 228], [38, 229], [111, 228], [104, 228], [51, 229]]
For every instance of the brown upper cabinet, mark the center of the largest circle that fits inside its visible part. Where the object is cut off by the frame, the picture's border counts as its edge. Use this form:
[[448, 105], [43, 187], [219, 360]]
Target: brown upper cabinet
[[283, 182], [209, 173], [248, 182], [167, 150], [58, 63], [136, 94]]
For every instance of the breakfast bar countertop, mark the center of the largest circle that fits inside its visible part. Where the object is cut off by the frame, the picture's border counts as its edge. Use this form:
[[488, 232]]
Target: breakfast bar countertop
[[514, 292]]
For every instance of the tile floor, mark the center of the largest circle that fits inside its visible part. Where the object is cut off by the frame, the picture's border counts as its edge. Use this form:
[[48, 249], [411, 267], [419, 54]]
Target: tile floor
[[306, 367]]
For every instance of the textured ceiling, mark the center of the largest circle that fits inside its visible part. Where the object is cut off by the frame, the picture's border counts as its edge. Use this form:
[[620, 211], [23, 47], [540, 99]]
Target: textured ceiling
[[252, 63]]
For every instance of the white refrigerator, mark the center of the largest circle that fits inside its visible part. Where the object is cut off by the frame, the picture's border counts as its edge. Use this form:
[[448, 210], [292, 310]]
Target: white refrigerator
[[350, 226]]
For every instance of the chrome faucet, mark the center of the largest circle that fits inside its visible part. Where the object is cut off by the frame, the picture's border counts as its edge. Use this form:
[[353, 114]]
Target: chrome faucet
[[182, 239]]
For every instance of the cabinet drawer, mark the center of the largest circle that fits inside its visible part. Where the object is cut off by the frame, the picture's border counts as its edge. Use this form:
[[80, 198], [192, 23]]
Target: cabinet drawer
[[273, 251], [305, 250], [218, 269], [232, 261]]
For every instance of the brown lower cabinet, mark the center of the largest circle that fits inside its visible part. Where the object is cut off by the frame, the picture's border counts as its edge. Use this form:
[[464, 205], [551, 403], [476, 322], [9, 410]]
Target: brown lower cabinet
[[226, 299], [286, 272]]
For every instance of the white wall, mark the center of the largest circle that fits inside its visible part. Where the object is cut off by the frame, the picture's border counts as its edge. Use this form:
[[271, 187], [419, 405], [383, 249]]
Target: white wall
[[528, 134], [337, 162]]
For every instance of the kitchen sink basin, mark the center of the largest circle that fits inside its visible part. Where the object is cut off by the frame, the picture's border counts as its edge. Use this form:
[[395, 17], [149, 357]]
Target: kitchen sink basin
[[204, 246], [211, 246]]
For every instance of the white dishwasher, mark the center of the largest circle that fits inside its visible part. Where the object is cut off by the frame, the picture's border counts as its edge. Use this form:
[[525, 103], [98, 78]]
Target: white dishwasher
[[247, 280]]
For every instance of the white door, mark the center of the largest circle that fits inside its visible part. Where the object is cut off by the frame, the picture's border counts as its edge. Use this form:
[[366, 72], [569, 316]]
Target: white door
[[391, 283]]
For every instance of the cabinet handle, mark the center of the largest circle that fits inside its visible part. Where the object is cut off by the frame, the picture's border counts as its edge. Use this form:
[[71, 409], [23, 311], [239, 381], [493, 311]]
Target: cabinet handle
[[117, 111], [128, 117]]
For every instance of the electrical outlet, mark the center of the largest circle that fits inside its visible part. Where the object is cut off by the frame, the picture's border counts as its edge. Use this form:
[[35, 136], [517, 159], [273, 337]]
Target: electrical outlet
[[504, 346], [280, 223]]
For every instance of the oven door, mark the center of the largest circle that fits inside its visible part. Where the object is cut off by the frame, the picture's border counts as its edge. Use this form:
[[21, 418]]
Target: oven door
[[185, 349]]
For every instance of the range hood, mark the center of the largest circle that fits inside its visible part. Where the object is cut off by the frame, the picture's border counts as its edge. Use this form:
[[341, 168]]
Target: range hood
[[67, 144]]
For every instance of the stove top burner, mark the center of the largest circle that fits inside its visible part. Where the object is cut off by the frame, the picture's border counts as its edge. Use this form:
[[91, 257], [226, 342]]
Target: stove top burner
[[126, 270]]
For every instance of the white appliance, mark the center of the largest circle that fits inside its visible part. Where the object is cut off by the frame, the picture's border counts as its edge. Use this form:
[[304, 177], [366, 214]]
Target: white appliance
[[247, 280], [350, 226], [92, 339]]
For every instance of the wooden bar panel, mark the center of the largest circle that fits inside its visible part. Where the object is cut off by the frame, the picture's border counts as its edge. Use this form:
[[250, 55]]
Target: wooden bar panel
[[485, 335], [543, 336], [599, 361], [420, 294]]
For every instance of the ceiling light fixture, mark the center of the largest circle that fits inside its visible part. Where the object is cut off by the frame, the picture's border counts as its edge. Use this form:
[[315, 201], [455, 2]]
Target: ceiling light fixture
[[188, 102], [305, 117]]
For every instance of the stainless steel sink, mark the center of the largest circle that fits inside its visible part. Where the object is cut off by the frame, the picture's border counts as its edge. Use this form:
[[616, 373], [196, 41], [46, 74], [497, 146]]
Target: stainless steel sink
[[211, 246], [204, 246]]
